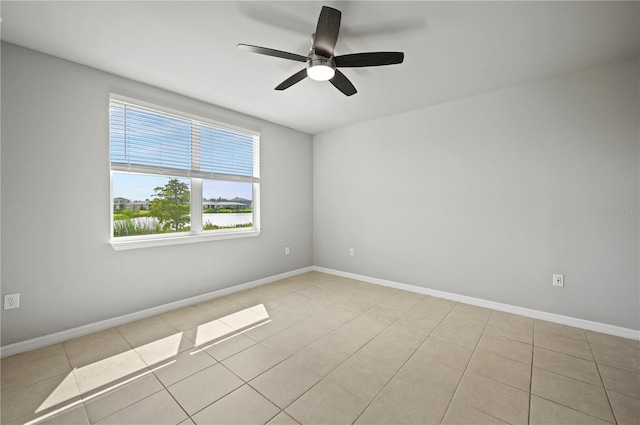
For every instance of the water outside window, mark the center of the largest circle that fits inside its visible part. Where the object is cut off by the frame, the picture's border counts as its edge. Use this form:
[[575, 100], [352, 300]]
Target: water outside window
[[226, 205]]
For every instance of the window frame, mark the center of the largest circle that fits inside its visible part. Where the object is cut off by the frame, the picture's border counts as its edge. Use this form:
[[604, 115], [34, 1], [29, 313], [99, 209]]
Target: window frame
[[196, 234]]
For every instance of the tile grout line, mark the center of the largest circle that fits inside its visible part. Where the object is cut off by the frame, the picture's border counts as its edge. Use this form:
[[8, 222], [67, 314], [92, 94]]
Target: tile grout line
[[285, 359], [569, 377], [475, 348], [322, 378], [138, 401], [216, 361], [218, 399], [562, 335], [52, 411], [604, 388], [533, 349], [244, 382], [84, 408], [465, 368], [566, 354], [508, 358], [176, 401], [402, 366], [575, 410], [411, 356], [349, 357], [166, 387], [581, 381], [505, 358], [149, 370], [399, 369]]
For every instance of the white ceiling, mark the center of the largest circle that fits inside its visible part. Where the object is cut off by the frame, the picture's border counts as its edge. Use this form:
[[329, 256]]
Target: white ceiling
[[452, 49]]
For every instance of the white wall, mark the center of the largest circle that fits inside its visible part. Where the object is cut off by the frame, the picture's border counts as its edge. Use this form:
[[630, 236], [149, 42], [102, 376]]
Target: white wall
[[489, 196], [56, 201]]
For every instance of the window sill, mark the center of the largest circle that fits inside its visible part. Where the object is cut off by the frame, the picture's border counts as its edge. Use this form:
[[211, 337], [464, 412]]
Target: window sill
[[136, 242]]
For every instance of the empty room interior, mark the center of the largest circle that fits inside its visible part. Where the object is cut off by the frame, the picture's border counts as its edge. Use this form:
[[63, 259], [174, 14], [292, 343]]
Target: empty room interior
[[351, 212]]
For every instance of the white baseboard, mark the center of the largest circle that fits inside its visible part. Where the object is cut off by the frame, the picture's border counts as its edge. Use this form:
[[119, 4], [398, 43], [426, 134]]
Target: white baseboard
[[68, 334], [44, 341], [536, 314]]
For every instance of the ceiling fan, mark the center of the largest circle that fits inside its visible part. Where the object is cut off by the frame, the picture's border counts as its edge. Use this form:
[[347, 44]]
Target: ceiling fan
[[321, 63]]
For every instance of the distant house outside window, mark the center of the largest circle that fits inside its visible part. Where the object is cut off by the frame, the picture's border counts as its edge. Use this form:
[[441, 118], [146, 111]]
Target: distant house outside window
[[175, 175]]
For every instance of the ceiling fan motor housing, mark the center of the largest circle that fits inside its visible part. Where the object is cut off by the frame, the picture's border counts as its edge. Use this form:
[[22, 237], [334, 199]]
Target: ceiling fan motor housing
[[317, 60]]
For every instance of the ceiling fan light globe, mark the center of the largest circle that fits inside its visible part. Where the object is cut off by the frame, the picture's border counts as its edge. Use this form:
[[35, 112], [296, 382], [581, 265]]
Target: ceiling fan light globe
[[321, 72]]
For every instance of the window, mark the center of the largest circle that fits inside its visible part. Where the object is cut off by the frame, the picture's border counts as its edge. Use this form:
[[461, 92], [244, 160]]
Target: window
[[177, 179]]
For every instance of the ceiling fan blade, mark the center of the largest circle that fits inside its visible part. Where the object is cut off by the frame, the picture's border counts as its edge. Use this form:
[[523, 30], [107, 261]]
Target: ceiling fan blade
[[295, 78], [272, 52], [327, 31], [357, 60], [342, 83]]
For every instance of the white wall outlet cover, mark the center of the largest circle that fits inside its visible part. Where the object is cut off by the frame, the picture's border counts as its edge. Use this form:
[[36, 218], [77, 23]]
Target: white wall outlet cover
[[558, 280], [11, 301]]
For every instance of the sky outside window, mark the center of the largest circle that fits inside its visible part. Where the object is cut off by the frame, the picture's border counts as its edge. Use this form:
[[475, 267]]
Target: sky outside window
[[214, 189], [139, 187]]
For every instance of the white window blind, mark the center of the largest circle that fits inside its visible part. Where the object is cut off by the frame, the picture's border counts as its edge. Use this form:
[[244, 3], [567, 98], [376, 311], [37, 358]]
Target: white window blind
[[145, 140]]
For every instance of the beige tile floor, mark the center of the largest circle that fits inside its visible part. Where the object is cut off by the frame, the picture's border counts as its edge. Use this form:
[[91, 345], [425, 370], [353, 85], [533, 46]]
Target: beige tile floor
[[319, 349]]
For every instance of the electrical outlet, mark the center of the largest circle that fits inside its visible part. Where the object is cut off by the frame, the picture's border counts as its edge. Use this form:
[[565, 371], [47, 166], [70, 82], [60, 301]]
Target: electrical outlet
[[287, 251], [11, 301], [558, 280], [352, 252]]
